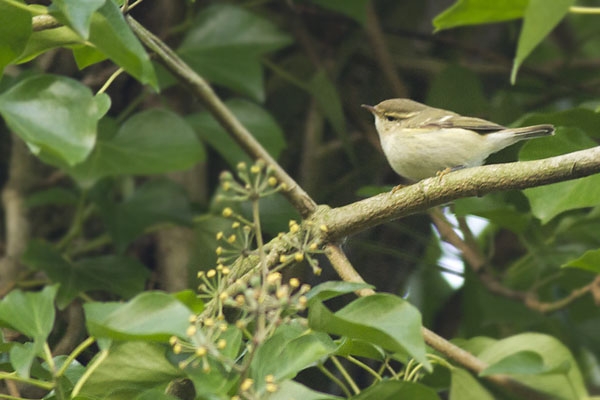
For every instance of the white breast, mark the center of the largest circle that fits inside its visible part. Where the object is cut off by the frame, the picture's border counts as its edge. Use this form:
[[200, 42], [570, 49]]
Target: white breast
[[417, 153]]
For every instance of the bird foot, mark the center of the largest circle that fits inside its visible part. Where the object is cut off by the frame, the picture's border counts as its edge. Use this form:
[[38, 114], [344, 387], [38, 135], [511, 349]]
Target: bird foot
[[442, 173], [398, 187]]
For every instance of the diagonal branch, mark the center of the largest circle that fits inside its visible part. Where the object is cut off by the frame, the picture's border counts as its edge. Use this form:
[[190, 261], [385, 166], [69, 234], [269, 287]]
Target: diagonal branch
[[475, 261]]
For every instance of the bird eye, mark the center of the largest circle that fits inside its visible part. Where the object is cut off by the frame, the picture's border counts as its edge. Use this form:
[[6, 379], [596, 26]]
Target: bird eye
[[390, 118]]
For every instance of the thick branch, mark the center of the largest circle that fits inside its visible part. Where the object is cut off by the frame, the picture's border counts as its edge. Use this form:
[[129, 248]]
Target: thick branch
[[362, 215]]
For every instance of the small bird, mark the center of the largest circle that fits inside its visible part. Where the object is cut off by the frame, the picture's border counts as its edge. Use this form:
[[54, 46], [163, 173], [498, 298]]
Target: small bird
[[421, 141]]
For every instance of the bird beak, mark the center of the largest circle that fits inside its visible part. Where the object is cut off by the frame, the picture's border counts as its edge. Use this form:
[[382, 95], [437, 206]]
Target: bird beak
[[371, 109]]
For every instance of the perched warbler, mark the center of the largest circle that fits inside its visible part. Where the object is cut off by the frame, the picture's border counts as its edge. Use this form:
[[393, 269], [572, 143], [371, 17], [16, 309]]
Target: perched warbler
[[420, 141]]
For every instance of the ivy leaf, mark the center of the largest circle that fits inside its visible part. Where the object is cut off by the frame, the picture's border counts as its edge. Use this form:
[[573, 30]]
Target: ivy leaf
[[475, 12], [541, 16], [255, 118], [387, 320], [550, 200], [130, 369], [589, 261], [465, 387], [293, 390], [289, 350], [155, 202], [76, 13], [560, 376], [225, 45], [153, 316], [355, 9], [391, 390], [116, 274], [524, 363], [54, 114], [110, 34], [151, 142], [48, 39], [31, 313], [15, 30]]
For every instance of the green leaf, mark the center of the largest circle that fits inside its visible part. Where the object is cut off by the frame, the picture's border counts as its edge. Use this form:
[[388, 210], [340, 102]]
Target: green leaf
[[256, 119], [22, 356], [52, 196], [464, 387], [152, 316], [382, 319], [54, 114], [225, 45], [330, 289], [474, 345], [541, 16], [15, 30], [582, 118], [87, 55], [206, 226], [76, 14], [589, 261], [327, 96], [48, 39], [73, 372], [155, 394], [31, 313], [355, 9], [523, 363], [151, 142], [130, 369], [191, 300], [392, 390], [457, 79], [361, 348], [113, 273], [496, 207], [155, 202], [291, 349], [293, 390], [474, 12], [372, 190], [566, 381], [220, 378], [112, 36], [550, 200], [275, 212]]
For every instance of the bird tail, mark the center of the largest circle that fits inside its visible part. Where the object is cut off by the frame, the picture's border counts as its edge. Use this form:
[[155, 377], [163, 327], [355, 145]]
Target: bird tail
[[534, 131]]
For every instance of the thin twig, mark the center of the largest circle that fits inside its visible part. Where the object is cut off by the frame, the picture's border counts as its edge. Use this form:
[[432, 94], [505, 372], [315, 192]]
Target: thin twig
[[476, 262], [382, 53]]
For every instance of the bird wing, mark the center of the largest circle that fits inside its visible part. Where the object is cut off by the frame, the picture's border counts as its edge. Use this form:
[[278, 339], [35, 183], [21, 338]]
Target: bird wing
[[474, 124]]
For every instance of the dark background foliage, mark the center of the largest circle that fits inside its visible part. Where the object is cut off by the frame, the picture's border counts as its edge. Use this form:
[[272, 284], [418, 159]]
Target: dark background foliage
[[138, 210]]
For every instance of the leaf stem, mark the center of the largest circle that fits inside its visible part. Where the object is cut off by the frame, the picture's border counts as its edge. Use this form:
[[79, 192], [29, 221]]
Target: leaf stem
[[78, 350], [110, 80], [584, 10], [345, 374], [89, 371], [35, 382], [335, 379], [365, 367], [49, 359], [77, 224]]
